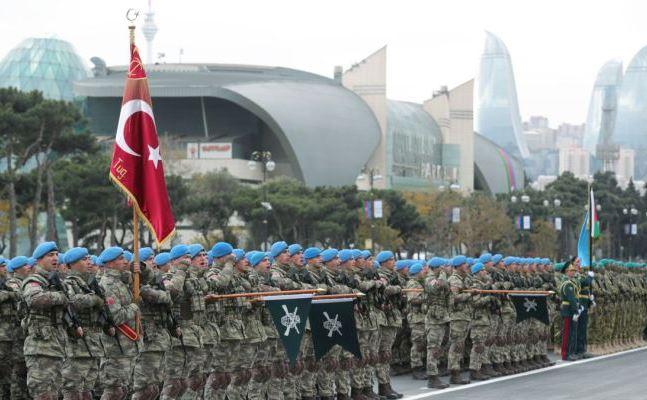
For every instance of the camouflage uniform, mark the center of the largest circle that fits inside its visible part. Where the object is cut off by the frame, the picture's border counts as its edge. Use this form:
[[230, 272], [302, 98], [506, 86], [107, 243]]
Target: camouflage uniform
[[416, 312], [437, 317], [116, 368], [46, 336], [157, 323], [480, 324], [18, 389], [390, 324], [460, 316], [344, 283], [81, 368], [503, 319]]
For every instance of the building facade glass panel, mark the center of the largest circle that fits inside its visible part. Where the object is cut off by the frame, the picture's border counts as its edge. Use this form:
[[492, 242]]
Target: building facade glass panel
[[603, 106]]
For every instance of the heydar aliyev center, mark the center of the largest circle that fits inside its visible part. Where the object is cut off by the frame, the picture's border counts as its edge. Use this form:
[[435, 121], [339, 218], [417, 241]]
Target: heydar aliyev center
[[496, 107]]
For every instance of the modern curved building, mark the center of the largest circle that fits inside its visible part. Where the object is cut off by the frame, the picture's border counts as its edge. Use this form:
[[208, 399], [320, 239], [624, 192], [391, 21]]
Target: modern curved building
[[496, 110], [603, 106], [317, 131], [49, 65], [631, 122]]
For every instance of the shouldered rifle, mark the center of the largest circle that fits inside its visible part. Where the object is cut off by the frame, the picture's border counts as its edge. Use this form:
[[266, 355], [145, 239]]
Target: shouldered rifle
[[105, 317], [173, 325], [69, 316]]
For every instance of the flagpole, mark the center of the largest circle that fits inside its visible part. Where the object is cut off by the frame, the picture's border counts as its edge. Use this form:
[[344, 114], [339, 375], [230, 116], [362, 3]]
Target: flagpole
[[590, 227]]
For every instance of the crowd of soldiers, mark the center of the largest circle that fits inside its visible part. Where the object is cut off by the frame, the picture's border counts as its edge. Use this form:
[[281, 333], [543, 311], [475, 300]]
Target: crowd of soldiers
[[70, 326]]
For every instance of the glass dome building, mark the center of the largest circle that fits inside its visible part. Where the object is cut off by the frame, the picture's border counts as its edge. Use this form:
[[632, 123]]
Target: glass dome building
[[631, 122], [603, 106], [496, 106], [49, 65]]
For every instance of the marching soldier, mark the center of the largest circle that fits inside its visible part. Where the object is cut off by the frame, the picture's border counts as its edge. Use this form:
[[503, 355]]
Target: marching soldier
[[416, 312], [81, 368], [46, 335], [480, 324], [7, 329], [19, 268], [437, 319], [460, 316]]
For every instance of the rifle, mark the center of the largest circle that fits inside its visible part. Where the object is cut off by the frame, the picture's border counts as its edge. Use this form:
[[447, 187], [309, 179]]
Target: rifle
[[105, 318], [69, 317], [173, 324]]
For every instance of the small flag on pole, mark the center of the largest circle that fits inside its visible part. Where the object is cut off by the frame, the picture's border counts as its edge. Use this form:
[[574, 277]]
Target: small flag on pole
[[583, 247], [595, 223], [333, 323], [290, 313], [531, 306]]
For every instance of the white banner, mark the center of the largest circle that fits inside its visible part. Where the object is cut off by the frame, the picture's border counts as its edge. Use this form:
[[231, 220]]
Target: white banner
[[209, 150], [558, 223], [377, 209], [526, 222], [456, 215]]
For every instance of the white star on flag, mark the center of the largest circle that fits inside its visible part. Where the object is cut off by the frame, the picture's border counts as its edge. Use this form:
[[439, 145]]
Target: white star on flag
[[154, 155]]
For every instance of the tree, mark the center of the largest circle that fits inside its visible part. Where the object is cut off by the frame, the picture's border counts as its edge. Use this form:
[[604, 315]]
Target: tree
[[484, 225]]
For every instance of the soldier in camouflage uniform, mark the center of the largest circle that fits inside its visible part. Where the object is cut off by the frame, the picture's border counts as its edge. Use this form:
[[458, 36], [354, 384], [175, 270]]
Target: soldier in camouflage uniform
[[46, 336], [183, 374], [116, 368], [416, 311], [460, 315], [390, 320], [480, 323], [436, 289], [19, 268], [81, 368], [158, 323], [8, 298]]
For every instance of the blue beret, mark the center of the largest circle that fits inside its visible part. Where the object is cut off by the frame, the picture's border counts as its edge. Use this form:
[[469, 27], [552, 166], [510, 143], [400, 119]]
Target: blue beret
[[75, 254], [238, 254], [255, 257], [294, 249], [94, 259], [402, 264], [221, 249], [496, 258], [32, 261], [178, 251], [195, 249], [477, 267], [61, 258], [162, 259], [128, 256], [44, 248], [145, 253], [470, 260], [436, 262], [345, 255], [110, 254], [366, 254], [328, 254], [485, 258], [546, 261], [311, 252], [508, 260], [415, 268], [459, 260], [357, 254], [383, 256], [17, 262], [278, 248]]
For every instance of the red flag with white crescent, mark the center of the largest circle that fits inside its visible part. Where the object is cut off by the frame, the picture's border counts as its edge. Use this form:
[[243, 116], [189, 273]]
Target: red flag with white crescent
[[137, 166]]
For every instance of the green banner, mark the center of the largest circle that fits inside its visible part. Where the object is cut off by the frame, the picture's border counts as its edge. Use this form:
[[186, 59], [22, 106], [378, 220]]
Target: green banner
[[333, 323], [531, 306], [290, 313]]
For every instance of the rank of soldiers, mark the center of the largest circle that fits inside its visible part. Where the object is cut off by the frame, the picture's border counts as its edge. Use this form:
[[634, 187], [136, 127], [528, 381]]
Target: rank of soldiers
[[70, 326]]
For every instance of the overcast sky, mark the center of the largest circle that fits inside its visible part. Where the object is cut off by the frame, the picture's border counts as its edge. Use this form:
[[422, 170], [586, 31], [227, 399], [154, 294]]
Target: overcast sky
[[556, 46]]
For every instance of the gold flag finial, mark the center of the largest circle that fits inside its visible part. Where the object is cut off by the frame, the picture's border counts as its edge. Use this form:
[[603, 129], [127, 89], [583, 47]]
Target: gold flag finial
[[131, 15]]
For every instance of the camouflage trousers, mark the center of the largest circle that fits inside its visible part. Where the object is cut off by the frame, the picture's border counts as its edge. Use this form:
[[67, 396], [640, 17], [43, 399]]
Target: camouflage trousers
[[347, 363], [382, 369], [478, 335], [115, 377], [80, 376], [13, 361], [147, 376], [418, 345], [362, 375], [269, 371], [195, 377], [183, 372], [435, 335], [402, 344], [43, 376], [308, 380], [220, 375], [457, 335], [240, 360]]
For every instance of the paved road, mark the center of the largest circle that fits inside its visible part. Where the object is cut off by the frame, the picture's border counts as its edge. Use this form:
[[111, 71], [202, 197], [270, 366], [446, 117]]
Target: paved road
[[618, 377]]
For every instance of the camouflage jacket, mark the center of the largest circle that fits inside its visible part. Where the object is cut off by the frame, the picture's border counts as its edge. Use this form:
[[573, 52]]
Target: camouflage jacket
[[437, 298], [280, 277], [87, 307], [461, 307], [480, 302], [12, 310], [416, 302], [157, 316], [369, 283], [119, 300], [46, 333], [393, 300], [188, 291]]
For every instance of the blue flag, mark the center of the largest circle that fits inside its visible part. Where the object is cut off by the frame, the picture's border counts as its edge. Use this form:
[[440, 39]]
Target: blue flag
[[583, 243]]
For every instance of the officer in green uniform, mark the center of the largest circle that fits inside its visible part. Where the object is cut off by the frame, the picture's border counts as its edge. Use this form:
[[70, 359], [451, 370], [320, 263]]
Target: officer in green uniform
[[570, 312]]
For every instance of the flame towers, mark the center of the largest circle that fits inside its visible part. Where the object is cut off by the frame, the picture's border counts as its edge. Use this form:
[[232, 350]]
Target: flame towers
[[497, 109]]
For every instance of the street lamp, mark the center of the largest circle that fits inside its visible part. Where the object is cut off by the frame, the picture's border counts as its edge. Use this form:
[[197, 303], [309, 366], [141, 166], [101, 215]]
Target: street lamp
[[265, 158], [373, 175]]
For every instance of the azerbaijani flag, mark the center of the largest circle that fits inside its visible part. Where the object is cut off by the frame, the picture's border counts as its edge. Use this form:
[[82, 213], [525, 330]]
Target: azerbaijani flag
[[593, 217]]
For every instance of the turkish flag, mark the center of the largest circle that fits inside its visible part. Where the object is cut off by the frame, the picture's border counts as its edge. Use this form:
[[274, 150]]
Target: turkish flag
[[137, 166]]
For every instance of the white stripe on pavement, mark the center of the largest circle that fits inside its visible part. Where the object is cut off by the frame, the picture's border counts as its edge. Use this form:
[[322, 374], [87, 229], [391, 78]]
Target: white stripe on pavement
[[562, 364]]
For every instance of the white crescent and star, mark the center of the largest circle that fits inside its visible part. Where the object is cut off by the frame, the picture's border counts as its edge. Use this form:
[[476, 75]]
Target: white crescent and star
[[127, 110]]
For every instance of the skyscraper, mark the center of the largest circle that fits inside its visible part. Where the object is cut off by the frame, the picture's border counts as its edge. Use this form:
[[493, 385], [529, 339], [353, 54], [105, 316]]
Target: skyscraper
[[497, 109], [603, 106], [631, 123]]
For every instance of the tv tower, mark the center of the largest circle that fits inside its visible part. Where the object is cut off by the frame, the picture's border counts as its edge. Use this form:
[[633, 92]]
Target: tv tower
[[150, 30]]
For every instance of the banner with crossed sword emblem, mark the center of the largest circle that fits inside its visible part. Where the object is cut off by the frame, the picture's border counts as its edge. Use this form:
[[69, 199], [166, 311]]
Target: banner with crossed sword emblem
[[333, 323], [531, 306], [290, 313]]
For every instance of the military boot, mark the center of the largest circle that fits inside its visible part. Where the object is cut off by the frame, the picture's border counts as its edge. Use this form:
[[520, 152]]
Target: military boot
[[456, 378], [393, 392], [342, 396], [499, 369], [547, 361], [383, 391], [488, 370], [369, 393], [419, 374], [356, 394], [434, 382], [476, 375]]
